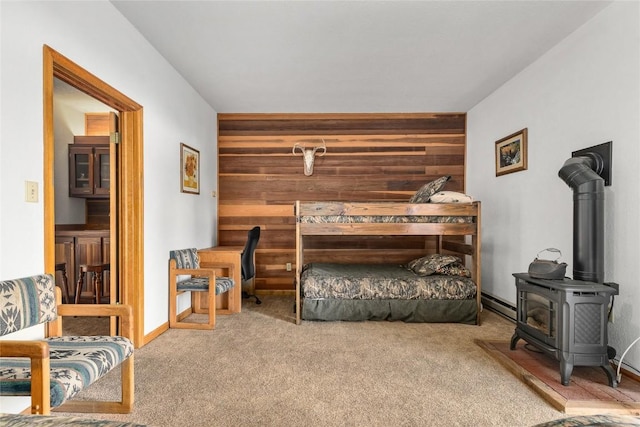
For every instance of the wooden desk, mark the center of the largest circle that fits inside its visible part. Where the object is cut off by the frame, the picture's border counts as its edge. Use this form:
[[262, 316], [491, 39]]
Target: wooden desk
[[230, 302]]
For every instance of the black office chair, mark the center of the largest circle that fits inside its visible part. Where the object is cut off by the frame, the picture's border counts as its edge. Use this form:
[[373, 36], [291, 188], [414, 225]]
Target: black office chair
[[248, 265]]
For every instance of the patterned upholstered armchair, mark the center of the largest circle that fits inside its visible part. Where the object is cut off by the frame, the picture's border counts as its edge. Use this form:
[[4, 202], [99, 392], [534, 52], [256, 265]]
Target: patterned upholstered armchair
[[57, 368], [186, 262]]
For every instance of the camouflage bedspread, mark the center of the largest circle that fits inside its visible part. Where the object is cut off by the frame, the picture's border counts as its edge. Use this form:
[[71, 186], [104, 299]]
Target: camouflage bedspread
[[380, 281]]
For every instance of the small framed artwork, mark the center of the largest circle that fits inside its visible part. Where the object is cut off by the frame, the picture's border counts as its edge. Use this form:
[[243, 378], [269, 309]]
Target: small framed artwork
[[511, 153], [189, 169]]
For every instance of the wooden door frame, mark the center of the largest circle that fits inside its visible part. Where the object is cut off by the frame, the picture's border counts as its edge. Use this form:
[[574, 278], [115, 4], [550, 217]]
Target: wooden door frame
[[129, 251]]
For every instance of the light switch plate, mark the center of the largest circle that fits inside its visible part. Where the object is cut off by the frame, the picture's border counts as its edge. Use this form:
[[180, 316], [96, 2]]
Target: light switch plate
[[30, 191]]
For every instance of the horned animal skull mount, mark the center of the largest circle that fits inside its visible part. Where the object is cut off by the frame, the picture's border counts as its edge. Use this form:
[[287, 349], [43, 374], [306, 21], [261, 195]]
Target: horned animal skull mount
[[309, 155]]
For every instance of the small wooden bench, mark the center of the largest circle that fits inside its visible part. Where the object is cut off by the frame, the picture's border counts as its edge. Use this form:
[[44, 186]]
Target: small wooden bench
[[55, 369]]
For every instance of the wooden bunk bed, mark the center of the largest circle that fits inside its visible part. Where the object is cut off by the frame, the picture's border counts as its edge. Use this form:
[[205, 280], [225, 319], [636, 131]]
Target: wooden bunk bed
[[390, 219]]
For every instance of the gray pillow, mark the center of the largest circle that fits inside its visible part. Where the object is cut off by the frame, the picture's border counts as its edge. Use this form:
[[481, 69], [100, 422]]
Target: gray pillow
[[429, 189], [430, 264]]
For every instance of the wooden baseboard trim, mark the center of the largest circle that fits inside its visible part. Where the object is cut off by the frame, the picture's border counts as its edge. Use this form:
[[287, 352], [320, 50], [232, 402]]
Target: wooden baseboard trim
[[183, 315], [155, 333]]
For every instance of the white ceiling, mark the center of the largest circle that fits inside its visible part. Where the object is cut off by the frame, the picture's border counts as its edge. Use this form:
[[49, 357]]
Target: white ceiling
[[352, 56]]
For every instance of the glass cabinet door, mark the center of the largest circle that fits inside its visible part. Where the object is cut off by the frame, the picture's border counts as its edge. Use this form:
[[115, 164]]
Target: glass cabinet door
[[80, 171], [89, 171], [102, 171]]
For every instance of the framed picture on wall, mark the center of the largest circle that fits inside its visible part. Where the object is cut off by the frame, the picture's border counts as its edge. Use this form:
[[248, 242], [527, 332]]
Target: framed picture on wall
[[189, 169], [511, 153]]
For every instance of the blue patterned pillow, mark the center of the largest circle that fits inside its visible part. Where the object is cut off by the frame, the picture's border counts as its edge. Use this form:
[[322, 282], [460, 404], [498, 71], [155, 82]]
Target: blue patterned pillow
[[429, 189], [186, 258], [592, 421], [27, 302]]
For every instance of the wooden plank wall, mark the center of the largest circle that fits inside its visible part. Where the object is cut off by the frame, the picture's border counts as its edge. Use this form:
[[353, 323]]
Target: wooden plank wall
[[369, 157]]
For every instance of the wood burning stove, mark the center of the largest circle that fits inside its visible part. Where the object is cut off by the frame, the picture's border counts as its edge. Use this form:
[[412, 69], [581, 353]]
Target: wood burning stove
[[566, 319]]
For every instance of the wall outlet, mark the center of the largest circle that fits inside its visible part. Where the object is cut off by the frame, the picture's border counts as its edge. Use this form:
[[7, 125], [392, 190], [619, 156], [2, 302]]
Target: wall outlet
[[30, 191], [288, 266]]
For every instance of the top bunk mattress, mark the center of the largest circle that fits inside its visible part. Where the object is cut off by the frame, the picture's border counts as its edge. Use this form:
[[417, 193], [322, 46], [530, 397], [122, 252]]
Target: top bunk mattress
[[386, 212], [380, 219], [380, 281]]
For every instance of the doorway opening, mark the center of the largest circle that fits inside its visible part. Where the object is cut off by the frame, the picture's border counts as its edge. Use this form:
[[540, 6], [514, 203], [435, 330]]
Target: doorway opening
[[85, 181], [127, 206]]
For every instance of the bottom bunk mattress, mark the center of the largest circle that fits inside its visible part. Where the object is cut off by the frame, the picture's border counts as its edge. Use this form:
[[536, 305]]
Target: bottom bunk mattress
[[385, 292]]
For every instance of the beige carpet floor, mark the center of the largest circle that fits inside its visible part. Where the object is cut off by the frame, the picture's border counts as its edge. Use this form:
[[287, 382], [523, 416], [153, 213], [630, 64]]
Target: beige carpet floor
[[258, 368]]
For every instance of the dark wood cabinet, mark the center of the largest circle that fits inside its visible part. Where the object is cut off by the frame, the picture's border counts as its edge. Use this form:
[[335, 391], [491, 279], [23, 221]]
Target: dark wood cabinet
[[89, 170], [88, 250], [65, 253], [76, 245]]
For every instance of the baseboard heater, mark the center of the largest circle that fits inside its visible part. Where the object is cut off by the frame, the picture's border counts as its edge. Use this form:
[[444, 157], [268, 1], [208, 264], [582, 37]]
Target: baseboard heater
[[499, 306]]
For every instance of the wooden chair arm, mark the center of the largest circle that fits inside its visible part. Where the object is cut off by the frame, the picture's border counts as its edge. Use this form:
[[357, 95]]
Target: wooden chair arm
[[120, 310], [30, 349], [124, 312], [192, 271], [229, 266], [205, 271]]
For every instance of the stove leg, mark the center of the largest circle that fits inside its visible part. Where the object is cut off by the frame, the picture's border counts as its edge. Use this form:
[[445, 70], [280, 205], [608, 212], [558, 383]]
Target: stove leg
[[566, 369], [514, 341], [613, 382]]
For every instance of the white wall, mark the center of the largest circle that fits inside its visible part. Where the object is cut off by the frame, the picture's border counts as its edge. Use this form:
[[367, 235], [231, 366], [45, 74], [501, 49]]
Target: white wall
[[67, 122], [96, 36], [584, 92]]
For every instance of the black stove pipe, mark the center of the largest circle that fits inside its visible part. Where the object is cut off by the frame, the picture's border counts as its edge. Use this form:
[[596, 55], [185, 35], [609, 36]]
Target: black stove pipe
[[588, 217]]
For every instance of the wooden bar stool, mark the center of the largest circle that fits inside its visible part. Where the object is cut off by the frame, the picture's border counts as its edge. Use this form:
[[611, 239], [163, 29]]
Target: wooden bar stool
[[97, 276], [62, 267]]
